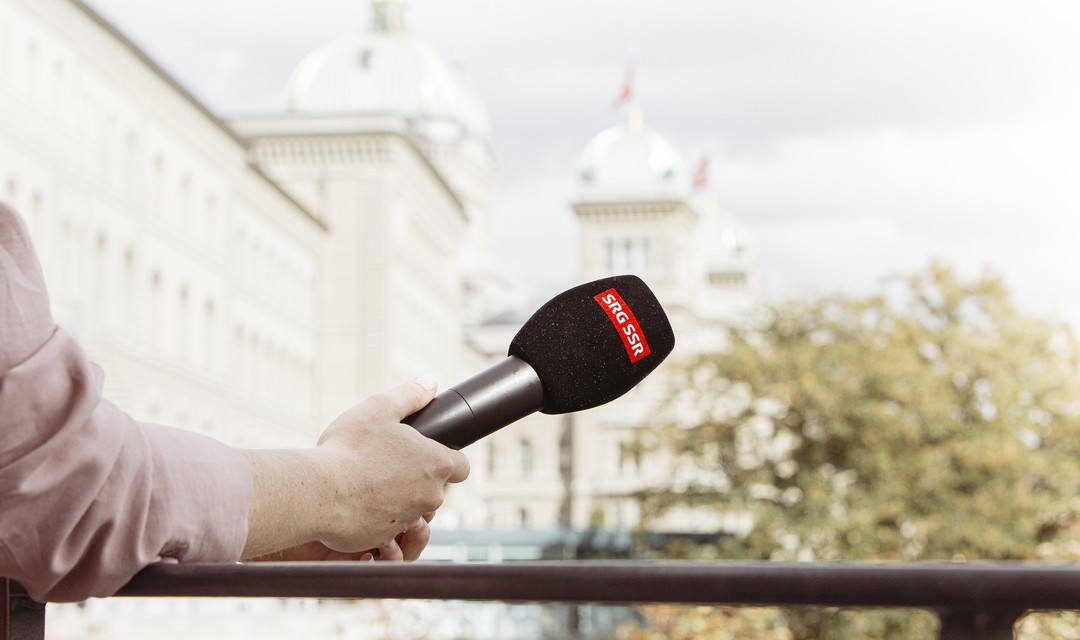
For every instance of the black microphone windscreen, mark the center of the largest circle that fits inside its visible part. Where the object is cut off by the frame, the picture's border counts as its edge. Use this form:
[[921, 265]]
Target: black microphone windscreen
[[593, 343]]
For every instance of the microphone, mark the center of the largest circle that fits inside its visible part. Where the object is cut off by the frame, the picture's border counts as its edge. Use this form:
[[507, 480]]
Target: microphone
[[581, 349]]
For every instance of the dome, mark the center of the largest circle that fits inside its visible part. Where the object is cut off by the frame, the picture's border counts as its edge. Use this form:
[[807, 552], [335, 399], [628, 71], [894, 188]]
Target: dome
[[386, 71], [632, 161]]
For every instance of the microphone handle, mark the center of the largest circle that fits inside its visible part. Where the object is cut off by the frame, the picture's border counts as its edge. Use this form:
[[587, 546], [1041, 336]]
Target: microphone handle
[[503, 393]]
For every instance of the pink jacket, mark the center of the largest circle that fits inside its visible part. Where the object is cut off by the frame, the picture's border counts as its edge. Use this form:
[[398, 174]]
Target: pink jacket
[[88, 496]]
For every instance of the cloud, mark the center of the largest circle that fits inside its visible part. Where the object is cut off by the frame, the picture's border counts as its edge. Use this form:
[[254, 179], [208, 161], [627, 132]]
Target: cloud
[[839, 212], [853, 138]]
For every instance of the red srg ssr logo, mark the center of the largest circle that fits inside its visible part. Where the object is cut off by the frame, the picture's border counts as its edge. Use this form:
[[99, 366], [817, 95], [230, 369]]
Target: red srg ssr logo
[[626, 324]]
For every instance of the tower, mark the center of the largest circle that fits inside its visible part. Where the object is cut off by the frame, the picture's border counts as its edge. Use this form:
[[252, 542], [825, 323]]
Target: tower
[[388, 145], [638, 212], [634, 210]]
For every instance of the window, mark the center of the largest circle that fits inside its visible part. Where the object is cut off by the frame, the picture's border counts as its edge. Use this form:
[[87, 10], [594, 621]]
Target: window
[[525, 451], [728, 279], [157, 314], [630, 457], [158, 195], [183, 322], [208, 346], [128, 289], [33, 72], [185, 212], [104, 293]]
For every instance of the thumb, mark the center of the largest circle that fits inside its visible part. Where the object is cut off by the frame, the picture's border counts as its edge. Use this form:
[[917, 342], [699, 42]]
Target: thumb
[[422, 390], [388, 407], [395, 404], [428, 386]]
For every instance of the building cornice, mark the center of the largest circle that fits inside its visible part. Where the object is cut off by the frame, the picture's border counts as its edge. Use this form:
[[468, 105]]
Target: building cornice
[[635, 208], [319, 150], [343, 139]]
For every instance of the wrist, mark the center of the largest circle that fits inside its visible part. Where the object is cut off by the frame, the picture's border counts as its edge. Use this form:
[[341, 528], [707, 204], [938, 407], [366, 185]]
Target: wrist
[[292, 499]]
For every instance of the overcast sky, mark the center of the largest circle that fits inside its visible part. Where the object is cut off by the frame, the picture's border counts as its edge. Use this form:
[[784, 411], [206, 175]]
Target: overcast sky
[[853, 139]]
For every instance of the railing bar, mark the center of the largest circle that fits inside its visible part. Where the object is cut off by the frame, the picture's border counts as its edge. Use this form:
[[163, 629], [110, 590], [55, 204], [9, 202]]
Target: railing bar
[[5, 612], [24, 619], [972, 601], [978, 624], [924, 586]]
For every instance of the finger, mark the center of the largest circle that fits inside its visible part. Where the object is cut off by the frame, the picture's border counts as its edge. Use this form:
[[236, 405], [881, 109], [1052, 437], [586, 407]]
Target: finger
[[309, 551], [391, 552], [459, 467], [405, 399], [414, 541], [339, 556]]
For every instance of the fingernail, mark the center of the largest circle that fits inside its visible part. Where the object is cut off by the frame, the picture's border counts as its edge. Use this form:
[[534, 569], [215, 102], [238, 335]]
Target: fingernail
[[426, 381]]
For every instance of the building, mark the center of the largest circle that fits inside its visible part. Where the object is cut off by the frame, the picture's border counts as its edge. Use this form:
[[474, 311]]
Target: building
[[186, 272], [388, 145], [250, 279], [639, 212]]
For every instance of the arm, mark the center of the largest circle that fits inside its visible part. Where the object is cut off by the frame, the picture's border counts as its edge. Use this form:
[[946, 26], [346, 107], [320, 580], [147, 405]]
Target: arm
[[89, 496]]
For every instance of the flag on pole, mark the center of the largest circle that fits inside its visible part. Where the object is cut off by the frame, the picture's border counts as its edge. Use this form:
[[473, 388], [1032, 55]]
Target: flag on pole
[[700, 179], [626, 91]]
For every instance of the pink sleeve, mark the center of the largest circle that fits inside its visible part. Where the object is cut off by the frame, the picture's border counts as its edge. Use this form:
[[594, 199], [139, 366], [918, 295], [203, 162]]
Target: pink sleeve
[[88, 496]]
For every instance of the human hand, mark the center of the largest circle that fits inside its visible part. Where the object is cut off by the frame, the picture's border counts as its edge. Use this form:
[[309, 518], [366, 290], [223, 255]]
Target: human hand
[[370, 484], [406, 547], [393, 474]]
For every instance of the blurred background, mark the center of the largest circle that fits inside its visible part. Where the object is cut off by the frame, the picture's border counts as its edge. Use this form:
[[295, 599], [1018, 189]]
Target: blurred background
[[852, 141], [859, 217]]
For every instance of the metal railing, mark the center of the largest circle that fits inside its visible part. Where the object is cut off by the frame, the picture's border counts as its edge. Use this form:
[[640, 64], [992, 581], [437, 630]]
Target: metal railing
[[972, 601]]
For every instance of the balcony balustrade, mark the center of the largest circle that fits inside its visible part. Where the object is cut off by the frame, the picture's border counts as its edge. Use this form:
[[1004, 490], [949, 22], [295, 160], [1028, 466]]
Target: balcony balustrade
[[973, 601]]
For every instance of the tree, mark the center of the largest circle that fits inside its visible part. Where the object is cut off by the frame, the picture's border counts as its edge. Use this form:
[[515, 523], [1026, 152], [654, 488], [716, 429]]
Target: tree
[[933, 421]]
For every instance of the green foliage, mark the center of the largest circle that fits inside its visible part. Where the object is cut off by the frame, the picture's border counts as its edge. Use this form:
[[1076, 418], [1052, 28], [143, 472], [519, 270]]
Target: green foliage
[[681, 622], [931, 422], [675, 622]]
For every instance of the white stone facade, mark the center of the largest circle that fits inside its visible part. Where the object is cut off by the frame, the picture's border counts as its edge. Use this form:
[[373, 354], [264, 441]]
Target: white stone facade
[[249, 280], [638, 213], [252, 279], [185, 272]]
